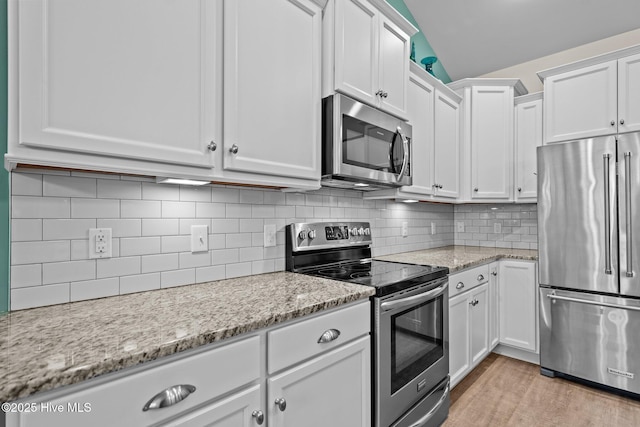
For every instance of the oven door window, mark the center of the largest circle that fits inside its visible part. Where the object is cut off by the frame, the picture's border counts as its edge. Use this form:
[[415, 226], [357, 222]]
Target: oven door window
[[416, 341], [371, 147]]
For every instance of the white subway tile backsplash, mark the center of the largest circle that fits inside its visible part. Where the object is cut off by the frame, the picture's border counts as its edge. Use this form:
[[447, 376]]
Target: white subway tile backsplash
[[177, 278], [122, 227], [178, 209], [26, 184], [224, 256], [39, 296], [225, 195], [68, 186], [198, 259], [163, 262], [238, 240], [58, 272], [140, 209], [139, 283], [153, 191], [25, 230], [238, 270], [209, 274], [234, 210], [210, 210], [139, 246], [251, 225], [175, 244], [195, 194], [217, 241], [250, 254], [116, 189], [185, 224], [40, 207], [91, 289], [116, 267], [95, 208], [253, 197], [39, 252], [274, 198], [226, 225], [66, 229], [160, 227], [26, 275]]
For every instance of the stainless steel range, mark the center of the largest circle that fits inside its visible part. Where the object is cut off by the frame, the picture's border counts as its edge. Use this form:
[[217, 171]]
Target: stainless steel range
[[410, 325]]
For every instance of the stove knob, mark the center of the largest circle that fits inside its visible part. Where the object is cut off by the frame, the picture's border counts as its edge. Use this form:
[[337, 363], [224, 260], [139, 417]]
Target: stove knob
[[312, 234], [367, 231], [302, 235]]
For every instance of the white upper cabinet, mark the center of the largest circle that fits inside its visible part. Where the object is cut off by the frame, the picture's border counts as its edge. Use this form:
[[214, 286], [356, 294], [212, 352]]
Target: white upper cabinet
[[272, 88], [528, 126], [446, 153], [366, 53], [487, 137], [594, 97], [109, 78]]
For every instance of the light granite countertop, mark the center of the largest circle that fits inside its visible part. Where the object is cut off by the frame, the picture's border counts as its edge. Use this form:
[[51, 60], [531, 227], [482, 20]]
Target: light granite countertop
[[48, 347], [460, 257]]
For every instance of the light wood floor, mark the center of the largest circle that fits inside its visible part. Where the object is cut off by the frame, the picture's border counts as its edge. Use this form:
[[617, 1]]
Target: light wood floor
[[506, 392]]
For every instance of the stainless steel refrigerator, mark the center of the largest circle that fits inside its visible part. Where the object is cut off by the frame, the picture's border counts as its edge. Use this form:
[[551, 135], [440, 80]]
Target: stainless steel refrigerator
[[589, 260]]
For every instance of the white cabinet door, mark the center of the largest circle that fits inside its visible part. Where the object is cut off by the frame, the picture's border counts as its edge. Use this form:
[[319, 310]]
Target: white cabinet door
[[494, 330], [356, 50], [272, 87], [394, 67], [459, 338], [115, 79], [629, 94], [479, 323], [420, 113], [331, 390], [518, 304], [446, 153], [528, 138], [491, 142], [234, 411], [581, 103]]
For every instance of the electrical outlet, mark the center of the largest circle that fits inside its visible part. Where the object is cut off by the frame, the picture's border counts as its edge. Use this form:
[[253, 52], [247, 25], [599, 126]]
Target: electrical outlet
[[433, 228], [100, 243], [405, 229], [460, 226], [497, 227], [199, 238], [269, 235]]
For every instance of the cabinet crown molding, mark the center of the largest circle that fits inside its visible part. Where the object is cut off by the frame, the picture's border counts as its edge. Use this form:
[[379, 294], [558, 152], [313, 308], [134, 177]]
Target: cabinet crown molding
[[518, 87], [422, 74], [395, 16], [587, 62], [528, 98]]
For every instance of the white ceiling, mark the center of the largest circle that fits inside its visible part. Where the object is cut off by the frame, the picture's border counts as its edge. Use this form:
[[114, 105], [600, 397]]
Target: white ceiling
[[475, 37]]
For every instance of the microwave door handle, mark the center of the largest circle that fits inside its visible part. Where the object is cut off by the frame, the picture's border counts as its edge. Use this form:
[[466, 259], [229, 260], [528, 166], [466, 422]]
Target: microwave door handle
[[405, 158], [392, 166]]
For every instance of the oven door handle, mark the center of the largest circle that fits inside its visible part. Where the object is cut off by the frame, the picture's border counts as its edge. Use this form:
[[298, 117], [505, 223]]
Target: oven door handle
[[423, 421], [416, 299]]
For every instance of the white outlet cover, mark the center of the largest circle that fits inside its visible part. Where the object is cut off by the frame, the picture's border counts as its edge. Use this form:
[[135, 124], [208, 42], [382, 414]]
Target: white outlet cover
[[460, 228], [100, 244], [199, 238], [405, 229], [269, 235]]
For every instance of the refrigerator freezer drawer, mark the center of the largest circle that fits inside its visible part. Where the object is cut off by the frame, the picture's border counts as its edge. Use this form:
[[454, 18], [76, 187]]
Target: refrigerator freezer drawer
[[593, 337]]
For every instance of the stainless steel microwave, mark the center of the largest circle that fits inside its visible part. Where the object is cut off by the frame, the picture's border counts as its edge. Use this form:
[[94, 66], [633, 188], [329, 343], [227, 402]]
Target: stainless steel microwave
[[362, 147]]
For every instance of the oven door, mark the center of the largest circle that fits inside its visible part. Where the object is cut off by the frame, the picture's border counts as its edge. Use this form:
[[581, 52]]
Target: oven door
[[412, 348], [368, 145]]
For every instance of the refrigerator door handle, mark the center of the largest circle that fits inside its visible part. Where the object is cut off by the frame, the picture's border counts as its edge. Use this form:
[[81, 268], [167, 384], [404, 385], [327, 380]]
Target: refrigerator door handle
[[553, 296], [627, 185], [607, 216]]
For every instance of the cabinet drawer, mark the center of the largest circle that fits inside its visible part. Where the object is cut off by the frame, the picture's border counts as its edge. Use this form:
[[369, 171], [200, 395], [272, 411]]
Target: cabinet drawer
[[212, 373], [297, 342], [468, 279]]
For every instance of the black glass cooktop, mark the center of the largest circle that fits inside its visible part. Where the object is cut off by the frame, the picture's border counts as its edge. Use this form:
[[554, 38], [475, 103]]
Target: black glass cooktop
[[386, 276]]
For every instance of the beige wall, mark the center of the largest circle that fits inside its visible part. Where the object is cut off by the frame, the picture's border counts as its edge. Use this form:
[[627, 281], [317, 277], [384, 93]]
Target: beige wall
[[526, 71]]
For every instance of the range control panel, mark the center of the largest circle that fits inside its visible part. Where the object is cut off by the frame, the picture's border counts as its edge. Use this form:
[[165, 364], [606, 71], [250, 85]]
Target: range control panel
[[327, 235]]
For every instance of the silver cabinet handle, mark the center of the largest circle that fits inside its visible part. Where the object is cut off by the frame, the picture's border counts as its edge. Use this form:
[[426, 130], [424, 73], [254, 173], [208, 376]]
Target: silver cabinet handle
[[424, 420], [169, 397], [384, 94], [212, 146], [613, 122], [259, 416], [627, 187], [405, 149], [494, 273], [480, 277], [233, 149], [328, 336], [475, 189], [474, 302], [607, 217], [281, 403], [460, 285], [621, 121], [519, 189]]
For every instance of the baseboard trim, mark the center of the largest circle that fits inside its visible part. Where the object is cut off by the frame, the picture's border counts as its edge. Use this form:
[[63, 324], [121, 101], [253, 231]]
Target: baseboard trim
[[516, 353]]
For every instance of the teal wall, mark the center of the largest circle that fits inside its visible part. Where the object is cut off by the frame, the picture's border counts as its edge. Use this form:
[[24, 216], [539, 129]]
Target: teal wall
[[423, 48], [4, 175]]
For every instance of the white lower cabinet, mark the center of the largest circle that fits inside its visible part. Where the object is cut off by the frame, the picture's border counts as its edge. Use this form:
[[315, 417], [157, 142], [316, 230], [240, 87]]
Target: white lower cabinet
[[518, 305], [323, 384], [331, 390]]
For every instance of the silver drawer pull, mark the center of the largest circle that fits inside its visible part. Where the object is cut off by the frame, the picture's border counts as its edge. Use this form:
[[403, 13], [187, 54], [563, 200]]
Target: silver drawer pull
[[281, 403], [259, 416], [169, 397], [480, 277], [328, 336], [460, 285]]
